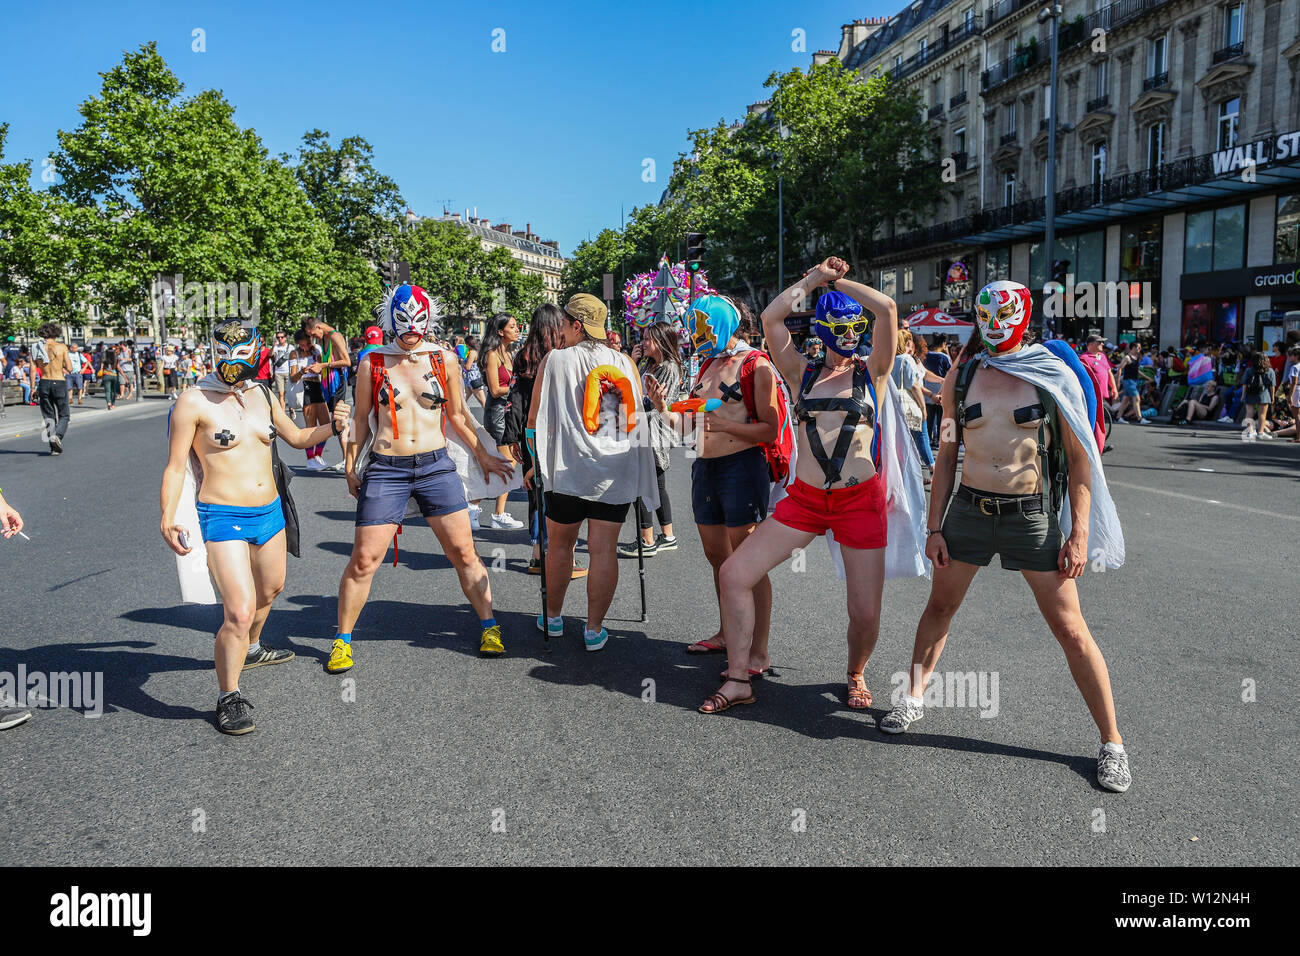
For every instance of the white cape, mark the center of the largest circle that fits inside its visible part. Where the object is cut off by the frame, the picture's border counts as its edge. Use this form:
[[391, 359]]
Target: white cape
[[905, 499], [1037, 365], [467, 469], [613, 465]]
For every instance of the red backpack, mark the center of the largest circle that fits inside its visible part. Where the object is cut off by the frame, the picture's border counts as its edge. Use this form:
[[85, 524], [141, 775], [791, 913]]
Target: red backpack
[[777, 452]]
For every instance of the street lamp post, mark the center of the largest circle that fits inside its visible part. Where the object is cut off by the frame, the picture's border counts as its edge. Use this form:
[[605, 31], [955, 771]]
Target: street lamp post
[[784, 132], [1051, 12]]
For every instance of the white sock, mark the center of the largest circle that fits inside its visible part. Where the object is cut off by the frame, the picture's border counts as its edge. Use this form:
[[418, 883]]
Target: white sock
[[914, 701], [555, 621], [593, 633], [254, 648], [1113, 747]]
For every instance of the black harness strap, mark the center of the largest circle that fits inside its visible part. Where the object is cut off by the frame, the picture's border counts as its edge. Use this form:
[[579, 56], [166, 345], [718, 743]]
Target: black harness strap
[[855, 409]]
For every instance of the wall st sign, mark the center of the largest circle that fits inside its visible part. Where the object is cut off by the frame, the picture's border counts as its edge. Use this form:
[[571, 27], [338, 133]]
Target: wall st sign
[[1262, 152]]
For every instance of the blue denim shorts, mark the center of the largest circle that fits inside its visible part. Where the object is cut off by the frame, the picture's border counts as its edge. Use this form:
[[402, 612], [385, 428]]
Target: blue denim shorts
[[228, 523], [731, 490], [392, 480]]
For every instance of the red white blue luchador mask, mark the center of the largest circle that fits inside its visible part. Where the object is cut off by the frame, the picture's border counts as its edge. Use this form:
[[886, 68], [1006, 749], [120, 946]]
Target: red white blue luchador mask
[[409, 310], [712, 321], [840, 323], [235, 351], [1002, 311]]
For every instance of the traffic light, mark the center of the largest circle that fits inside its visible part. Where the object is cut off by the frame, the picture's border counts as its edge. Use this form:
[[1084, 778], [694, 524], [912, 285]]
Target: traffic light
[[1060, 269], [388, 272], [694, 251]]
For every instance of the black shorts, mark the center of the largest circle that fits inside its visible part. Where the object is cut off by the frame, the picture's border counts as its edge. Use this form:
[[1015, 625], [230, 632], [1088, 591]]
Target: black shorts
[[313, 395], [570, 509], [732, 490]]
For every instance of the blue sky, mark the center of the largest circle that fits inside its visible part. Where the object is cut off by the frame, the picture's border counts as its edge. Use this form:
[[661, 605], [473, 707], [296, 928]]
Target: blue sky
[[552, 131]]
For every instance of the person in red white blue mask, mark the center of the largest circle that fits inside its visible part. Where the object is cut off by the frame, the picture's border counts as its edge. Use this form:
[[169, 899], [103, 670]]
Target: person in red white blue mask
[[1032, 491], [407, 393]]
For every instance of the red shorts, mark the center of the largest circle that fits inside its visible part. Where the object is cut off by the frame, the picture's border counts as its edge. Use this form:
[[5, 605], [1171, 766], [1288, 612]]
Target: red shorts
[[856, 514]]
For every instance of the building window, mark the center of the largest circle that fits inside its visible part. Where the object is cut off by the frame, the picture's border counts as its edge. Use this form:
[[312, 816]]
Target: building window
[[889, 282], [1008, 189], [1232, 24], [898, 60], [1158, 56], [936, 90], [1287, 246], [968, 19], [961, 81], [1155, 146], [1139, 266], [1010, 112], [1229, 122], [907, 279], [1101, 78], [959, 140], [1098, 163], [997, 264]]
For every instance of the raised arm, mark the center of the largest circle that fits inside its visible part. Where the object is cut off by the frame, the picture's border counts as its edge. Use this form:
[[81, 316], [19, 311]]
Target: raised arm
[[884, 330], [789, 361]]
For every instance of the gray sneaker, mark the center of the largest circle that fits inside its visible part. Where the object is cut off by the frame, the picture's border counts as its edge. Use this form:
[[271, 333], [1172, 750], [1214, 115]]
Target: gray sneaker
[[901, 717], [13, 716], [1112, 770], [266, 655]]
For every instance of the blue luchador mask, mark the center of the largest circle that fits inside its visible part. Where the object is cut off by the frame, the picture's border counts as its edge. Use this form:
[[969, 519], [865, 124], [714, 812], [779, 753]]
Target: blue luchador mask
[[840, 323], [712, 321]]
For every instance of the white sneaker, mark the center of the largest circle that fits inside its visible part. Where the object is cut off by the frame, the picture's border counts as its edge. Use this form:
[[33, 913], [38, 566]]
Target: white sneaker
[[315, 464], [504, 522], [1267, 436], [1141, 421], [1225, 420], [339, 466]]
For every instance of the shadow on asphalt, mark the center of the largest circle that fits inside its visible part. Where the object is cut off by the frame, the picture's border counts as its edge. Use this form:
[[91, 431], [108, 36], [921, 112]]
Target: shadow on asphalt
[[23, 451], [125, 670]]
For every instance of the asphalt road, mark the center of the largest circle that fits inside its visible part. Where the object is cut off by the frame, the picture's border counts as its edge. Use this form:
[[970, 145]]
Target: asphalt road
[[560, 757]]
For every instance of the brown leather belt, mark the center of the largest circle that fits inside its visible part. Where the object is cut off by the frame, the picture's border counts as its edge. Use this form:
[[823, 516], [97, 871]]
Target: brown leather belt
[[1019, 504]]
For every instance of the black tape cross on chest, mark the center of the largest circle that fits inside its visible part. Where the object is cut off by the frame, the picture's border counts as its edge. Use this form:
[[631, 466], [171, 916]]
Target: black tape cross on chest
[[732, 392]]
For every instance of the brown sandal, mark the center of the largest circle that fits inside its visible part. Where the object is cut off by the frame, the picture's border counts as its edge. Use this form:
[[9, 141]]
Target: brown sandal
[[721, 701], [859, 696]]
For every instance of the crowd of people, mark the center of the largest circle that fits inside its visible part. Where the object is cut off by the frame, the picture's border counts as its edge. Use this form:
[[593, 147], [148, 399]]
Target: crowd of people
[[852, 434]]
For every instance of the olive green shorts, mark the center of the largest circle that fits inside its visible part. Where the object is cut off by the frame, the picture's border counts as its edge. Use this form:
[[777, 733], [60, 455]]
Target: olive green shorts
[[1024, 542]]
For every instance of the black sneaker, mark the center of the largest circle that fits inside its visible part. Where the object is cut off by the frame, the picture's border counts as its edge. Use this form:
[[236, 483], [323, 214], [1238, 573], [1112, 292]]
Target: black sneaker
[[233, 715], [56, 445], [666, 543], [629, 550], [267, 655]]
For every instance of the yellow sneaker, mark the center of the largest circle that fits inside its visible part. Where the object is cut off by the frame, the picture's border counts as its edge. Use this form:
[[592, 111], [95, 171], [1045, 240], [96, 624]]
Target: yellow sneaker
[[340, 657], [491, 645]]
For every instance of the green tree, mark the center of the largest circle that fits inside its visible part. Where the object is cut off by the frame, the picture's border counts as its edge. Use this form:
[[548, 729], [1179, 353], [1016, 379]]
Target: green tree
[[451, 263], [39, 259], [362, 209], [172, 185]]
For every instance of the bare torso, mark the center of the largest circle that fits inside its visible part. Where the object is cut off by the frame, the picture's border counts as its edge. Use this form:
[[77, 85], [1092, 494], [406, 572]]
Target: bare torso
[[419, 409], [233, 444], [721, 380], [858, 466], [1001, 454]]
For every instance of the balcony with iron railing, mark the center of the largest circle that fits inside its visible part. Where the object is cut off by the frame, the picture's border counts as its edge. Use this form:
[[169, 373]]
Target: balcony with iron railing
[[1009, 138], [1098, 103], [1004, 8], [936, 111], [1071, 34], [1157, 82], [1176, 175], [957, 100], [1228, 53], [949, 41]]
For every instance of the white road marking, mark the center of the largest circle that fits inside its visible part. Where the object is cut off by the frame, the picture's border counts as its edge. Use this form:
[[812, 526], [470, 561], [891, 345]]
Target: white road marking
[[1204, 501]]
